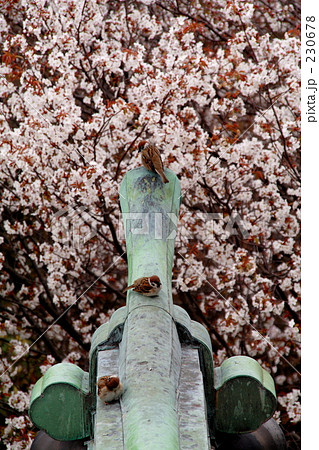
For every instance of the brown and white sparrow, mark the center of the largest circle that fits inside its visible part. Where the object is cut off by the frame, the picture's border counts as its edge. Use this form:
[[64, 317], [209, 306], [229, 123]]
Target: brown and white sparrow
[[149, 286], [151, 159], [109, 388]]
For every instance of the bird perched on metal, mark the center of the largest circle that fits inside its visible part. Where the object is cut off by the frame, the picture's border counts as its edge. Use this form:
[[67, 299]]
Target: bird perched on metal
[[109, 388], [149, 286], [151, 159]]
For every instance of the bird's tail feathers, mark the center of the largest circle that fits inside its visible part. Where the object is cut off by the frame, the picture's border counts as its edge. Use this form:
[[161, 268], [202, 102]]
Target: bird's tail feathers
[[163, 176], [128, 287], [165, 180]]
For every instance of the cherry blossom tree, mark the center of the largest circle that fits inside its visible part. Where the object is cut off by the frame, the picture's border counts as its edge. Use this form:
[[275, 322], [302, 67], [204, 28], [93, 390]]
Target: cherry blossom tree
[[216, 85]]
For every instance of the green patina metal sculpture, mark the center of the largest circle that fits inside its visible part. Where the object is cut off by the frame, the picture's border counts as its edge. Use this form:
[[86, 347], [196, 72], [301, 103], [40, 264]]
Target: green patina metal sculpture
[[173, 399]]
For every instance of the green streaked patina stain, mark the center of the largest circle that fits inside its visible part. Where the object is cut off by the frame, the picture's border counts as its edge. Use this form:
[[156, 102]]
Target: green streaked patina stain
[[150, 351], [150, 252]]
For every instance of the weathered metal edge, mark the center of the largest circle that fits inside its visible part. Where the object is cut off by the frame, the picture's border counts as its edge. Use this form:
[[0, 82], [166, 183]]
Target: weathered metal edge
[[110, 331], [195, 334], [241, 365], [74, 376]]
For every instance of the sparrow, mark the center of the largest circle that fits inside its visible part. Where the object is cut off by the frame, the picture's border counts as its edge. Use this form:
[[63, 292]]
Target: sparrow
[[151, 159], [109, 388], [149, 286]]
